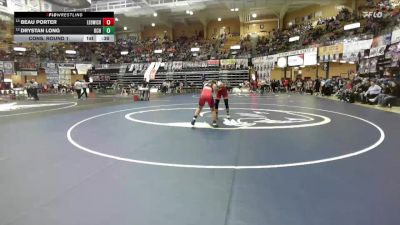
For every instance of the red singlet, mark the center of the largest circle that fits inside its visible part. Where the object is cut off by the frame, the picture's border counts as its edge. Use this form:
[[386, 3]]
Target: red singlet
[[222, 92], [206, 96]]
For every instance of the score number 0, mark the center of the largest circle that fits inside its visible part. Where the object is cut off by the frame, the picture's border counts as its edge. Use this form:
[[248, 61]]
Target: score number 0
[[108, 21]]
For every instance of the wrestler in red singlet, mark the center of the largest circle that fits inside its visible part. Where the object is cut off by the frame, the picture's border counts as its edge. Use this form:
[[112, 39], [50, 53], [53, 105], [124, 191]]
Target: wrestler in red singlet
[[222, 92], [206, 96]]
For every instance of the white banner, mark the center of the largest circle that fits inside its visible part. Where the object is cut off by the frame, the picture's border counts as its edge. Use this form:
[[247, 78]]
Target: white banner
[[351, 49], [310, 59], [396, 36], [154, 70], [297, 52], [83, 68], [296, 60], [378, 51], [66, 66], [52, 73], [148, 72]]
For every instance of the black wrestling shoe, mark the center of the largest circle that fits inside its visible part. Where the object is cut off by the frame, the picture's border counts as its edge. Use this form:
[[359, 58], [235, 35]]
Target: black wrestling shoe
[[214, 124], [193, 122]]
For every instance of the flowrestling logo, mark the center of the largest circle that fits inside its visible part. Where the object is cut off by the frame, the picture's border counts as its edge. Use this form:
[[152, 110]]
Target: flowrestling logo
[[242, 118], [375, 15]]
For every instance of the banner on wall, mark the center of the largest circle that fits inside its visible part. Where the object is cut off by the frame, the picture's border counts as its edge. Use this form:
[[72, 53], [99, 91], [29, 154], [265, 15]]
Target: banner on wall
[[296, 60], [395, 36], [297, 52], [83, 68], [154, 71], [151, 71], [177, 65], [199, 64], [263, 59], [328, 58], [352, 49], [66, 66], [331, 49], [368, 66], [8, 67], [242, 63], [310, 58], [26, 69], [378, 51], [228, 62], [385, 39], [52, 73], [26, 66], [212, 63]]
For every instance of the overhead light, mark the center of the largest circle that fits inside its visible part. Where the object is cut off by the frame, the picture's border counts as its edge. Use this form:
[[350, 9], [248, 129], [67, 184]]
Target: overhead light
[[236, 9], [219, 19], [191, 12], [187, 12], [224, 27], [296, 38], [352, 26], [351, 62], [116, 19], [125, 28], [153, 24], [124, 53], [19, 49], [342, 61], [72, 52], [195, 49], [158, 51], [155, 14], [334, 60], [254, 15], [235, 47], [232, 10]]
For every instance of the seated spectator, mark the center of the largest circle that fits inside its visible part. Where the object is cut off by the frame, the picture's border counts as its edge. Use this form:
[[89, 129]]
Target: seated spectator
[[373, 91], [388, 96]]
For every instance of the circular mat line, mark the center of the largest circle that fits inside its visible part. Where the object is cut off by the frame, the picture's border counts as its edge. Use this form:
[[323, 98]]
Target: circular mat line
[[229, 167]]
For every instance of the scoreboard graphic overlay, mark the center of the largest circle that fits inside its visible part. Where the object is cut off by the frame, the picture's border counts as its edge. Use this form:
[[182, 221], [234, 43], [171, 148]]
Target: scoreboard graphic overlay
[[64, 27]]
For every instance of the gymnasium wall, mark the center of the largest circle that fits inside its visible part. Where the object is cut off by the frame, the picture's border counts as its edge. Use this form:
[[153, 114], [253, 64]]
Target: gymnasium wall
[[188, 30], [261, 28], [231, 26], [325, 11], [335, 69], [159, 30]]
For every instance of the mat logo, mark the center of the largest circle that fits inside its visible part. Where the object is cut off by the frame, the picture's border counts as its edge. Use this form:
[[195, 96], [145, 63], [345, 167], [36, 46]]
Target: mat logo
[[242, 118], [263, 119]]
